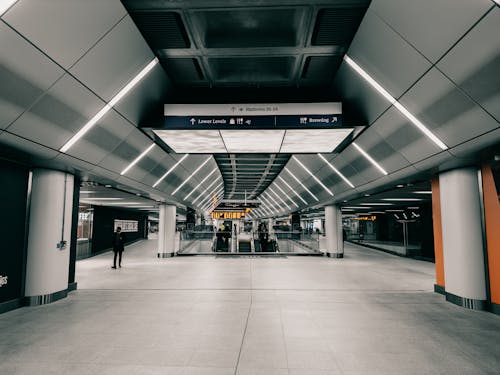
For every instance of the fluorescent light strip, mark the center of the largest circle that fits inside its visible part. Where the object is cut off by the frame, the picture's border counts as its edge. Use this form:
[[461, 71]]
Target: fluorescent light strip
[[204, 200], [108, 106], [266, 205], [217, 194], [285, 194], [422, 192], [376, 204], [401, 199], [206, 189], [297, 194], [201, 183], [370, 159], [273, 205], [191, 175], [263, 207], [312, 175], [5, 5], [276, 204], [136, 160], [336, 170], [281, 199], [301, 184], [170, 170], [396, 104]]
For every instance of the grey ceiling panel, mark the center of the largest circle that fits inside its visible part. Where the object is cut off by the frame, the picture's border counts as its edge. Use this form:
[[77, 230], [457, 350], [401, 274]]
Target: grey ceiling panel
[[431, 26], [381, 151], [25, 74], [343, 166], [489, 139], [474, 63], [360, 95], [384, 55], [106, 135], [403, 136], [163, 166], [64, 30], [445, 110], [146, 98], [114, 61], [140, 171], [36, 150], [59, 114], [126, 151], [433, 162], [365, 171]]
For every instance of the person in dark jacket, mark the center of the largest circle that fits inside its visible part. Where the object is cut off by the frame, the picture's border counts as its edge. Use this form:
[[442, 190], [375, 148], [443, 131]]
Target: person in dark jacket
[[118, 246]]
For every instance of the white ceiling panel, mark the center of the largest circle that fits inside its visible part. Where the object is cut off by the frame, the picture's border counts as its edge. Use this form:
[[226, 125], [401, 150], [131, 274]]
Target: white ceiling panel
[[360, 95], [59, 114], [64, 30], [445, 110], [106, 135], [403, 136], [114, 61], [25, 74], [474, 63], [146, 97], [431, 26], [251, 141], [385, 56]]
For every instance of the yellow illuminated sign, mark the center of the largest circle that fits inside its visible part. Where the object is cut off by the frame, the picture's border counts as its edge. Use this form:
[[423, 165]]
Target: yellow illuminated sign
[[365, 218], [227, 215]]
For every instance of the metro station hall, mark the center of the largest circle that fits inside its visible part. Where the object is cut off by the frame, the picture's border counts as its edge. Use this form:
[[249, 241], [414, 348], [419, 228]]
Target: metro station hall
[[242, 187]]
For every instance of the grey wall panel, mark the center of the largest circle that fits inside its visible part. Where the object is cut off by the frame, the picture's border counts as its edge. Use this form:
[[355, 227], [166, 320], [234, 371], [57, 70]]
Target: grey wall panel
[[383, 54], [64, 30], [106, 135], [36, 150], [25, 74], [474, 63], [403, 136], [114, 61], [360, 95], [445, 110], [146, 97], [59, 114], [431, 26]]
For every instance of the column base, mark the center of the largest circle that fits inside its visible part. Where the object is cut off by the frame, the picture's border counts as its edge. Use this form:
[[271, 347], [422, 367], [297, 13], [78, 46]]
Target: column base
[[495, 308], [468, 303], [439, 289], [11, 305], [166, 255], [335, 255], [72, 286], [45, 298]]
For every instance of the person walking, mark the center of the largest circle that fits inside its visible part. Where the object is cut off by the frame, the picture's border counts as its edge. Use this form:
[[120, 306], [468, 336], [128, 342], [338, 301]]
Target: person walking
[[119, 240]]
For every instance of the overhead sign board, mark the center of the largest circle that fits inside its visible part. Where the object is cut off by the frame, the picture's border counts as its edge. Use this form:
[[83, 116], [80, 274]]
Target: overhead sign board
[[216, 215]]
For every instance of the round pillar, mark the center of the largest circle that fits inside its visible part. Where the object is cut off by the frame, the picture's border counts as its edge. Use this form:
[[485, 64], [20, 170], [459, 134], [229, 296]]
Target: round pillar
[[462, 233], [333, 232], [47, 263], [166, 231]]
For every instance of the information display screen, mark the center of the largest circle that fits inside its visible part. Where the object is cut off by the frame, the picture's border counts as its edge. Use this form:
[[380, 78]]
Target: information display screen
[[126, 225]]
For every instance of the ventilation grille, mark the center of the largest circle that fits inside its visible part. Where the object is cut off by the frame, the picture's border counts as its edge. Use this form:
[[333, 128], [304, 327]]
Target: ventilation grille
[[182, 69], [336, 26]]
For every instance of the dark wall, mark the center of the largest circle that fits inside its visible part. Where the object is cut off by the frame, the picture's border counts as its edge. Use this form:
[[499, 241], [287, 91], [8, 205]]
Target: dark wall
[[13, 198], [74, 232], [102, 231]]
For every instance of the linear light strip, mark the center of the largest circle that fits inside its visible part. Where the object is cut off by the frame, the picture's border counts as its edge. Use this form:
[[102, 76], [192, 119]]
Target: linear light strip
[[191, 175], [5, 5], [301, 184], [270, 197], [217, 194], [313, 176], [265, 205], [136, 160], [206, 189], [281, 199], [108, 106], [379, 167], [336, 171], [286, 195], [396, 103], [170, 170], [201, 183], [297, 194], [204, 200], [274, 208]]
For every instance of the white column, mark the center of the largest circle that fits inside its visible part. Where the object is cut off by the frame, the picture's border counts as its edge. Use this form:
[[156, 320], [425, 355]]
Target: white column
[[166, 231], [333, 232], [464, 272], [47, 264]]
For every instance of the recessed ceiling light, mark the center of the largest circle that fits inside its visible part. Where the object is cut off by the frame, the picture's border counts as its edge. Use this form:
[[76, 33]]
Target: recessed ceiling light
[[395, 103], [137, 159], [369, 158], [206, 189], [400, 186], [312, 175], [367, 195], [376, 204], [108, 186], [301, 184], [297, 194], [201, 183], [170, 170], [286, 195], [105, 199], [336, 171], [191, 175], [394, 210], [281, 199], [5, 5], [423, 192], [401, 199]]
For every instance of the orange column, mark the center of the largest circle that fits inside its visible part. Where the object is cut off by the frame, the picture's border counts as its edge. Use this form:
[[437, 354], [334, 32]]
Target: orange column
[[492, 221], [438, 237]]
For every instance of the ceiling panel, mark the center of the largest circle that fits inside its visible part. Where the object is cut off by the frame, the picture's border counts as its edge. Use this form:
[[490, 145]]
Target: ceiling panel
[[25, 74], [474, 63], [445, 110], [59, 114], [431, 26], [336, 26], [35, 150], [339, 162], [104, 137], [384, 55], [140, 171], [365, 171], [403, 136], [74, 24], [118, 57]]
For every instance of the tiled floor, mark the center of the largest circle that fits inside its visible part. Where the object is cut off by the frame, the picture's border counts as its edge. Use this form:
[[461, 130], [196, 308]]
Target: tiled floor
[[370, 313]]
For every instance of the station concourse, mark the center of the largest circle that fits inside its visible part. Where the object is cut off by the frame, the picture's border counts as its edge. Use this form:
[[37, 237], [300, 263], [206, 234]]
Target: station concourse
[[304, 187]]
